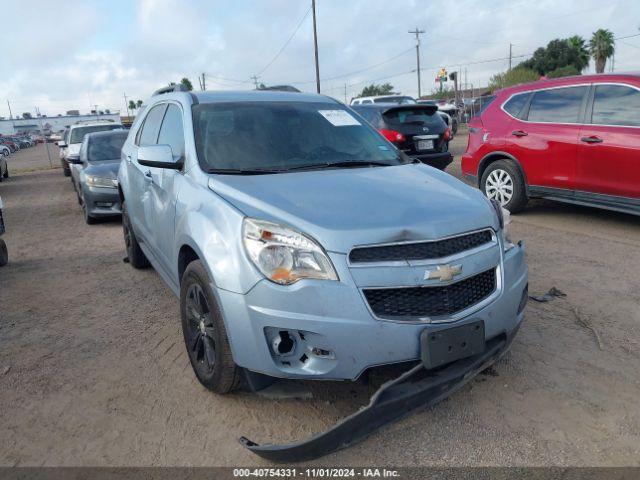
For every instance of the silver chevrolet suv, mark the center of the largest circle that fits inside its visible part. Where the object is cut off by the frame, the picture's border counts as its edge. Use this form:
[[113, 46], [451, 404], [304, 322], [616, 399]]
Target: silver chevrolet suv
[[302, 244]]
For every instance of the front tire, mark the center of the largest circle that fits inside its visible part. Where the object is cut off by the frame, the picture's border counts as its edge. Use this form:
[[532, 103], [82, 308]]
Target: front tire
[[136, 256], [502, 181], [205, 335]]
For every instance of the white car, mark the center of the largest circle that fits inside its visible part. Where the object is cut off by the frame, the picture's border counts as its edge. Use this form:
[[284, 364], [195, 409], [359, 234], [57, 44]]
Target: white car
[[4, 150], [70, 145], [399, 99]]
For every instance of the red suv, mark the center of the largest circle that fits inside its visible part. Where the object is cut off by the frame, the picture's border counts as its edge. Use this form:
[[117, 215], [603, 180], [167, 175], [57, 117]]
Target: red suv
[[573, 139]]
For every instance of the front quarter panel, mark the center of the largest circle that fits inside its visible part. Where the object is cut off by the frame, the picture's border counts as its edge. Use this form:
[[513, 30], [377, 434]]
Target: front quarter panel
[[213, 229]]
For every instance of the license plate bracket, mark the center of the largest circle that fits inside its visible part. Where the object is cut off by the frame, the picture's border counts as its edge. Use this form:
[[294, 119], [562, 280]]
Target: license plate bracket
[[443, 346]]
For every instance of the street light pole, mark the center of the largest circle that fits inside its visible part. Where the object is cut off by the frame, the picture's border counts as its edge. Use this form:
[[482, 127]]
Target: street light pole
[[417, 34], [315, 45]]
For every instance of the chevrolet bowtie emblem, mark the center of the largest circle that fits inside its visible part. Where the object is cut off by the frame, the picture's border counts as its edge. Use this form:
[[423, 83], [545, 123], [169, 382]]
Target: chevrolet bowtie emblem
[[443, 272]]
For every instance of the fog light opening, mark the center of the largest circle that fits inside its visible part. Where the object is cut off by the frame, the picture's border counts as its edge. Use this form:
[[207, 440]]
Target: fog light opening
[[283, 344]]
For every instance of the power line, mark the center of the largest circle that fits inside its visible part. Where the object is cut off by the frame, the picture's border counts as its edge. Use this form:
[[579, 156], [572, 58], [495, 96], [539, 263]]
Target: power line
[[293, 34]]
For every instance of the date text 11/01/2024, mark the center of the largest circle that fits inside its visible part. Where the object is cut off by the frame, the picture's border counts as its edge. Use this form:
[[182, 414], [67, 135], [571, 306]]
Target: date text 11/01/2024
[[316, 472]]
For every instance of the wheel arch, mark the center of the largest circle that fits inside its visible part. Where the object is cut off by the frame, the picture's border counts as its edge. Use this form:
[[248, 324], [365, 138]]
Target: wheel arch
[[494, 157], [186, 255]]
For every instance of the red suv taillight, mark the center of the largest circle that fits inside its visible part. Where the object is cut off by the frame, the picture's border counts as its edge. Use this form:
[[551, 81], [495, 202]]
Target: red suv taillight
[[392, 135], [447, 134]]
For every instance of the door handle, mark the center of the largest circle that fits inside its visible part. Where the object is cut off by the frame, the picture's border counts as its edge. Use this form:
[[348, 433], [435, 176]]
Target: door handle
[[147, 176], [128, 158], [591, 139], [519, 133]]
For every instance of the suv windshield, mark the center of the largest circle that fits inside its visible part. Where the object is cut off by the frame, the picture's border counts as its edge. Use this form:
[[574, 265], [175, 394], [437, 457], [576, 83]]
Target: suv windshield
[[105, 147], [281, 136], [78, 133]]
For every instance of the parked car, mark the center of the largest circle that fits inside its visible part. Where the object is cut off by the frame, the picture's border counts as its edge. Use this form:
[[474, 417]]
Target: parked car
[[574, 139], [94, 174], [302, 244], [4, 150], [417, 130], [73, 140], [9, 143], [4, 168], [399, 99]]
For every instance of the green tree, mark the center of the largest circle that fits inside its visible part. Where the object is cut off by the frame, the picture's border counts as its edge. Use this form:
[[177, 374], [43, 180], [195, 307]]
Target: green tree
[[138, 103], [446, 93], [187, 83], [373, 90], [558, 53], [581, 52], [132, 105], [513, 77], [601, 47], [565, 71]]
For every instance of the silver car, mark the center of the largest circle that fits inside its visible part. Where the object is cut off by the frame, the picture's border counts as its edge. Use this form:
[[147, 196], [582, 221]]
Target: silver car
[[302, 244], [94, 174]]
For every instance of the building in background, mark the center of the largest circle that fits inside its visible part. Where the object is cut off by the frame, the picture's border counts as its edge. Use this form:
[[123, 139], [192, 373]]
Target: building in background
[[47, 125]]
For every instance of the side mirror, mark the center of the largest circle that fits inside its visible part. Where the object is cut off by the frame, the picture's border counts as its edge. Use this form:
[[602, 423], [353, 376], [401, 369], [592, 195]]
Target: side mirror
[[159, 156], [61, 144]]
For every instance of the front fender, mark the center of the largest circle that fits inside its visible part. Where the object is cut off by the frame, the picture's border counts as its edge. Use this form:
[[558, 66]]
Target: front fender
[[213, 229]]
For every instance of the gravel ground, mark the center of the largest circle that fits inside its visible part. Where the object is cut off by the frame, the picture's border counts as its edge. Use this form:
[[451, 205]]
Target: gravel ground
[[93, 369]]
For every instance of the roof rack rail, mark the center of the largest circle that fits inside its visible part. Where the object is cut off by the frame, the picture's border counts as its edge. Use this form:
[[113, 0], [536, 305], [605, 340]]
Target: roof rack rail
[[170, 89], [280, 88]]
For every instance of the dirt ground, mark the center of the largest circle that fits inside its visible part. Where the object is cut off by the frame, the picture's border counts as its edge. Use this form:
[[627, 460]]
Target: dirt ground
[[93, 370]]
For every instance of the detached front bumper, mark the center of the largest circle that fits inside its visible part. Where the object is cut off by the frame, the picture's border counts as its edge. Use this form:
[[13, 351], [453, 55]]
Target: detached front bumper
[[416, 389], [332, 332]]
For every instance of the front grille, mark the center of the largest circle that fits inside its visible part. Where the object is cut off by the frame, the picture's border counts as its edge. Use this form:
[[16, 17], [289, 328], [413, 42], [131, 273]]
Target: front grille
[[421, 250], [416, 302]]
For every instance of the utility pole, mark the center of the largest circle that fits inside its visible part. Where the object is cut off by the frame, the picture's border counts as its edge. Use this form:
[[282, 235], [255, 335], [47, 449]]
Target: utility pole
[[255, 80], [204, 83], [126, 104], [417, 34], [315, 45], [510, 54], [10, 114]]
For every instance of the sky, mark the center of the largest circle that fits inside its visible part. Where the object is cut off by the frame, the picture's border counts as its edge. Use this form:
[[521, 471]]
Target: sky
[[68, 54]]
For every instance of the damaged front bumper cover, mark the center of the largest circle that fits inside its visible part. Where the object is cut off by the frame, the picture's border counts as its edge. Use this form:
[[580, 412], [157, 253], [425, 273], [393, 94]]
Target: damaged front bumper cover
[[415, 389]]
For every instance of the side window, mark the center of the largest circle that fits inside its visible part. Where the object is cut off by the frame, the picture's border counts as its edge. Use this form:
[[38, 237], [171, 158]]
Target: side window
[[515, 104], [149, 133], [558, 105], [616, 105], [171, 132]]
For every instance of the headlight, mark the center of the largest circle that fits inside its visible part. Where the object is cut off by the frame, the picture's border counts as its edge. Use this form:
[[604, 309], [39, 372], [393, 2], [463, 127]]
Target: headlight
[[102, 182], [284, 255], [504, 219]]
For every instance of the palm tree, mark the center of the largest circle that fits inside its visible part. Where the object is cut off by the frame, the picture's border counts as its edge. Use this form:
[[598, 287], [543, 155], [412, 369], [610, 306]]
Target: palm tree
[[138, 103], [601, 46], [132, 105], [579, 46]]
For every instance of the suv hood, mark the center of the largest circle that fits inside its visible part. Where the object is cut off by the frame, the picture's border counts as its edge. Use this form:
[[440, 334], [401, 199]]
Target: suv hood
[[345, 207]]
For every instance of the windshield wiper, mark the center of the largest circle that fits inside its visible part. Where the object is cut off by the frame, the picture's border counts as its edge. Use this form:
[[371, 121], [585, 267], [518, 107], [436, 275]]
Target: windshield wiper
[[354, 163], [239, 171]]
